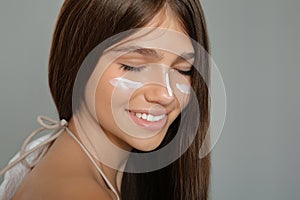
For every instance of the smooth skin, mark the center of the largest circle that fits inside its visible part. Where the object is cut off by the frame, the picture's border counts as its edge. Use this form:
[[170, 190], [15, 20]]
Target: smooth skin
[[67, 174]]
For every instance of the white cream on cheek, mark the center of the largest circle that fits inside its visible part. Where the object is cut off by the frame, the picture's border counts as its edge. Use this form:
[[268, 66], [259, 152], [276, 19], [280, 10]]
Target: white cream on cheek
[[126, 84], [184, 88]]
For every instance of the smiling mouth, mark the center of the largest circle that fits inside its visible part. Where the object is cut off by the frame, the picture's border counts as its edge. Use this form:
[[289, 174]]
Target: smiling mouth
[[149, 117], [148, 121]]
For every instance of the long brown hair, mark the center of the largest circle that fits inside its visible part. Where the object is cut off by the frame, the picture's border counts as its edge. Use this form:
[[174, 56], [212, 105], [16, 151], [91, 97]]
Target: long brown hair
[[81, 26]]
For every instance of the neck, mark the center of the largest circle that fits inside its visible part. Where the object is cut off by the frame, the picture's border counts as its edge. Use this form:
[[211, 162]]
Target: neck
[[112, 163]]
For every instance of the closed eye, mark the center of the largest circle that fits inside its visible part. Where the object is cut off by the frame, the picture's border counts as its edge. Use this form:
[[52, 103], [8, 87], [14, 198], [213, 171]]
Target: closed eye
[[131, 68], [186, 72]]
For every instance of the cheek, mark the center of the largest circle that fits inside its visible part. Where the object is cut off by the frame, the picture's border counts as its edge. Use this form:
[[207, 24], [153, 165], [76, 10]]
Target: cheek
[[183, 97], [105, 90], [103, 97], [103, 94], [123, 91], [111, 99], [181, 86], [185, 102]]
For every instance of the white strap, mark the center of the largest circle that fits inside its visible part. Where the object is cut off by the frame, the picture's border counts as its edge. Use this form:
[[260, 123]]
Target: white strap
[[94, 163], [58, 127]]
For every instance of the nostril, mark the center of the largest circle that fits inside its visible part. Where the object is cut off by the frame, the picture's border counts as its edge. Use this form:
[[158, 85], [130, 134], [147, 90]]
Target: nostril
[[159, 94]]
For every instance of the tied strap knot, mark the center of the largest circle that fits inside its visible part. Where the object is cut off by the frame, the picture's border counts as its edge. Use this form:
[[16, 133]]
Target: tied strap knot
[[41, 148], [51, 124], [46, 124], [63, 123]]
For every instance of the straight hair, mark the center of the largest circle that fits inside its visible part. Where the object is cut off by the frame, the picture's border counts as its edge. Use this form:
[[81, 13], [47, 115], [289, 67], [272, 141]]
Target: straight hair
[[80, 27]]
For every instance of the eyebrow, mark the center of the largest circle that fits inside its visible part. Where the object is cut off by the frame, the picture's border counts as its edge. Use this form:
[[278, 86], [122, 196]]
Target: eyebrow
[[152, 52]]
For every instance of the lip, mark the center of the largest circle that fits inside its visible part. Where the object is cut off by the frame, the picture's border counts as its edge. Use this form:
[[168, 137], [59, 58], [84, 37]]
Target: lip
[[152, 126]]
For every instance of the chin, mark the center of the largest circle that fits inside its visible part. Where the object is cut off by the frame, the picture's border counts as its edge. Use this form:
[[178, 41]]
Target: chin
[[146, 144]]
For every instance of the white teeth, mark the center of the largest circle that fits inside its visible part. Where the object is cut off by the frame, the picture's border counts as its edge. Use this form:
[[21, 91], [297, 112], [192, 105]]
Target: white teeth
[[144, 116], [149, 117]]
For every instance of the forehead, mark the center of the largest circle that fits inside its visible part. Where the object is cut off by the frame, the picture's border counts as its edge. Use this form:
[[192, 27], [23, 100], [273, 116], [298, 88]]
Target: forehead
[[154, 54], [144, 40]]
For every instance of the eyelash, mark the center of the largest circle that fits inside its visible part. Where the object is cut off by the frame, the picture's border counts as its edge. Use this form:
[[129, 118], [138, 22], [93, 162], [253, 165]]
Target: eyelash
[[138, 69], [186, 73], [131, 68]]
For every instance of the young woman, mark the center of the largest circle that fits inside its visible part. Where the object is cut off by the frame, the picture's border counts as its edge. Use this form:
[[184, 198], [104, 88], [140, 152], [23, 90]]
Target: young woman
[[130, 81]]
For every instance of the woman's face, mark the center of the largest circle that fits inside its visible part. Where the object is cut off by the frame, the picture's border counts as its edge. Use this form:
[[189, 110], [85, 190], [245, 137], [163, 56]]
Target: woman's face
[[144, 86]]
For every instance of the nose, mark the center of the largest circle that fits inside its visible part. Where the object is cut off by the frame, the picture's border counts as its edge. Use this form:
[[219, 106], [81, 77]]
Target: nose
[[156, 93]]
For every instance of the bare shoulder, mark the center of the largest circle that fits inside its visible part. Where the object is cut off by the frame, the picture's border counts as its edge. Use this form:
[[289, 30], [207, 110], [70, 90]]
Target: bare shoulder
[[82, 188], [75, 189], [64, 172]]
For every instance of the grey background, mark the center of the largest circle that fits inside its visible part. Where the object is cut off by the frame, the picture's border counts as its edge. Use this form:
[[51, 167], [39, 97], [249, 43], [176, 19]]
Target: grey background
[[256, 47]]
